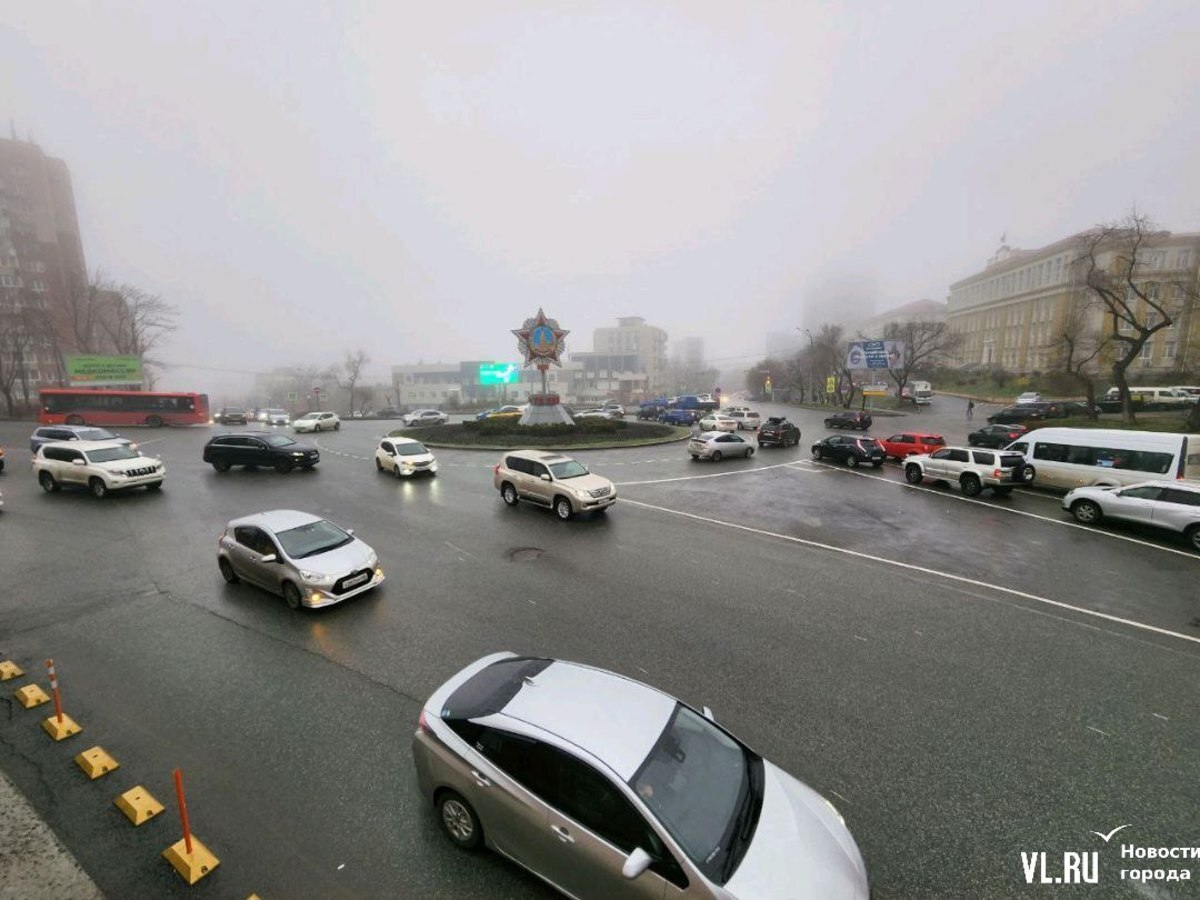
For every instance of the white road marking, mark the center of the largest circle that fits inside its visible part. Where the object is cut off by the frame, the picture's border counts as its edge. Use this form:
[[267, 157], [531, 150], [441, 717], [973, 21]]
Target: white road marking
[[460, 550], [1098, 731], [1160, 716], [949, 576], [1009, 509], [792, 465], [859, 637]]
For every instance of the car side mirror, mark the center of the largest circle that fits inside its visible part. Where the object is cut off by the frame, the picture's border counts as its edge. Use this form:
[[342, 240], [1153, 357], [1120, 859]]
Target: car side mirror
[[349, 531], [637, 862], [545, 477], [269, 558]]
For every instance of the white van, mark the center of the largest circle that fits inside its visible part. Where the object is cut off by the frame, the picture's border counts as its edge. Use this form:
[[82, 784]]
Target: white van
[[1155, 397], [1067, 458], [922, 392]]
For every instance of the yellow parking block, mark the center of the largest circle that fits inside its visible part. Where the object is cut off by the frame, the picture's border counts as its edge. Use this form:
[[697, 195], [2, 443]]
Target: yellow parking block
[[10, 670], [31, 695], [96, 762], [139, 805]]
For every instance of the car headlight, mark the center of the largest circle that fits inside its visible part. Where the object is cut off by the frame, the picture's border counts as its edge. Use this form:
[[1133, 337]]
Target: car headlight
[[315, 577], [297, 453], [372, 561]]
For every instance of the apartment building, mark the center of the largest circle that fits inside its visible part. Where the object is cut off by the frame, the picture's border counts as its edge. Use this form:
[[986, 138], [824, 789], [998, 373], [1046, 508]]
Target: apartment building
[[627, 361]]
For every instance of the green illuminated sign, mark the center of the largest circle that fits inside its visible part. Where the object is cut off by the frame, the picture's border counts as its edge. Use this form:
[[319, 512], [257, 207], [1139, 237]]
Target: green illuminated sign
[[499, 373], [98, 371]]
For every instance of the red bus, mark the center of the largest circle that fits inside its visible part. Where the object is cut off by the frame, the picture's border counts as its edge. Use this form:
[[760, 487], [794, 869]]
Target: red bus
[[75, 407]]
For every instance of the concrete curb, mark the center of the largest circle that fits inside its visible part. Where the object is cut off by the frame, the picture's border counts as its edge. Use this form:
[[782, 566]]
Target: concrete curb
[[34, 864]]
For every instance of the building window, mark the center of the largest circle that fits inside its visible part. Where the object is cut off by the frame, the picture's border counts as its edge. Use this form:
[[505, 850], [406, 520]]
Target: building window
[[1169, 349], [1147, 352]]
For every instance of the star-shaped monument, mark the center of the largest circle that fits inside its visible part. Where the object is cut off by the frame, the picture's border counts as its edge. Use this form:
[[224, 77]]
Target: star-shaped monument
[[541, 340]]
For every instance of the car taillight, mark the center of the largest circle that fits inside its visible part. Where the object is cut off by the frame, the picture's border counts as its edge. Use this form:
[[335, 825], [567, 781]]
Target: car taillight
[[495, 471], [1013, 435], [423, 723], [997, 473]]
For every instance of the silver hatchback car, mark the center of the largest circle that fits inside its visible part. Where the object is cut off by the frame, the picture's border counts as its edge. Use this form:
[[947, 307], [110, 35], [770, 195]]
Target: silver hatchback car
[[306, 559], [607, 788]]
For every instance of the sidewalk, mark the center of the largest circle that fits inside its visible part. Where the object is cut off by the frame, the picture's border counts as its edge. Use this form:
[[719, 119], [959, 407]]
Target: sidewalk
[[34, 865]]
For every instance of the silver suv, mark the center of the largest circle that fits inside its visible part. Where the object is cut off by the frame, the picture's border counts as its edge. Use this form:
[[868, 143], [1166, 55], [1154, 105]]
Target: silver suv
[[101, 466], [973, 469], [553, 480]]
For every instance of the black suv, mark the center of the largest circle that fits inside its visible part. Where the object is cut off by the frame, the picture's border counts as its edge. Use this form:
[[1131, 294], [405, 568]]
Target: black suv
[[779, 431], [995, 436], [259, 448], [860, 420], [849, 450], [230, 415]]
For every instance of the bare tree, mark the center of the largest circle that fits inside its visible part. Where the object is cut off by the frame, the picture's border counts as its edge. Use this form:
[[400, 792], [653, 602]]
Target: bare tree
[[1116, 264], [927, 344], [26, 332], [1077, 344], [134, 321], [830, 346], [347, 375], [86, 303]]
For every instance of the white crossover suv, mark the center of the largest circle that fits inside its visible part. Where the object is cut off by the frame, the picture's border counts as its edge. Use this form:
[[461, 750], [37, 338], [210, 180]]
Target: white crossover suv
[[317, 421], [100, 466]]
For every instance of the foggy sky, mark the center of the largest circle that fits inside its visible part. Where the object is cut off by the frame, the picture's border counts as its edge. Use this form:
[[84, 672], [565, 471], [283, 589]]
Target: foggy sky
[[415, 179]]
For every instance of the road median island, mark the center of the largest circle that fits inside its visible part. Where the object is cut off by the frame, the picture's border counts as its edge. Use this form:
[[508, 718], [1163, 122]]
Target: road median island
[[587, 434]]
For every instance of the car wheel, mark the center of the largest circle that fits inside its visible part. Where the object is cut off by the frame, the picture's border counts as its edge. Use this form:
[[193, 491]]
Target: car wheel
[[509, 493], [1193, 537], [154, 486], [816, 452], [283, 467], [46, 480], [1025, 474], [971, 485], [227, 572], [717, 457], [98, 487], [221, 466], [378, 465], [562, 508], [154, 421], [695, 458], [459, 821], [852, 461], [291, 595], [972, 441], [1087, 512], [337, 426], [749, 452], [912, 474], [74, 420], [396, 471]]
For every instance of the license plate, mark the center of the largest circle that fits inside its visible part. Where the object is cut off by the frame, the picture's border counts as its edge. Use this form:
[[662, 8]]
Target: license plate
[[355, 581]]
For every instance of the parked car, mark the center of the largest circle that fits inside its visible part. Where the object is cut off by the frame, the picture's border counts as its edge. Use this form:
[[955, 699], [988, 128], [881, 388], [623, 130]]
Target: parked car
[[405, 457], [260, 415], [1029, 397], [996, 436], [47, 433], [652, 409], [777, 430], [634, 793], [100, 466], [714, 422], [389, 412], [860, 420], [231, 415], [500, 411], [307, 560], [716, 445], [851, 451], [747, 419], [254, 449], [552, 480], [972, 469], [909, 443], [1024, 412], [1170, 505], [680, 416], [426, 417], [277, 417], [596, 414], [317, 421], [615, 409]]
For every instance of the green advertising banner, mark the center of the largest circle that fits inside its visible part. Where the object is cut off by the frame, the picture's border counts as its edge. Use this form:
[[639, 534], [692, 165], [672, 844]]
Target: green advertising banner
[[499, 373], [101, 371]]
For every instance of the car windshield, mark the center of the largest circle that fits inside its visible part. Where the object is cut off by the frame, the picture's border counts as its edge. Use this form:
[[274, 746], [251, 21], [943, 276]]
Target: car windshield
[[233, 411], [568, 469], [413, 449], [313, 538], [94, 434], [278, 440], [701, 785], [276, 412], [108, 454], [311, 416]]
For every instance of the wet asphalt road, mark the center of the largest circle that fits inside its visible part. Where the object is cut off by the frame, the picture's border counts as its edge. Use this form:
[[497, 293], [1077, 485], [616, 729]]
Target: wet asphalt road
[[905, 651]]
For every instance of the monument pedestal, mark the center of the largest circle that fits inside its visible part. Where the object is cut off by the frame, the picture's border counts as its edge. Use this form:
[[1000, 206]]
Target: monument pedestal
[[545, 409]]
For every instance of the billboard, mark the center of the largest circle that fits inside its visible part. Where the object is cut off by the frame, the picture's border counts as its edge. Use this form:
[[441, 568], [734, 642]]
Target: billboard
[[103, 371], [499, 373], [875, 355]]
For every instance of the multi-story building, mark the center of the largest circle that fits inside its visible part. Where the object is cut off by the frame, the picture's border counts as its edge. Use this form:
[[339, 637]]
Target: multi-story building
[[1012, 314], [41, 267], [453, 384], [628, 361], [918, 311]]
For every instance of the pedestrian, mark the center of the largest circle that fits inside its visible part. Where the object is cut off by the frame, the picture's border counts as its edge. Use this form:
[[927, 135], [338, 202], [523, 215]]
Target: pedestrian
[[970, 410]]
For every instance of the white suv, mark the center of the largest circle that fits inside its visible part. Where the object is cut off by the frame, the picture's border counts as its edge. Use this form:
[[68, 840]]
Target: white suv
[[973, 469], [101, 466], [317, 421]]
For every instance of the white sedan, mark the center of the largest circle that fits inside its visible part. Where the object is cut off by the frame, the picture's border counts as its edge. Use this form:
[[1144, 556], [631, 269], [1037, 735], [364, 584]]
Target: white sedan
[[718, 423], [404, 457], [426, 417], [318, 421], [1170, 505]]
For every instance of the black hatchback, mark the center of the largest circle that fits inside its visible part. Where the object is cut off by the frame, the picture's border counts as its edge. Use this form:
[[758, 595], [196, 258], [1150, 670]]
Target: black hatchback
[[850, 450], [778, 431], [259, 448], [995, 436], [859, 420]]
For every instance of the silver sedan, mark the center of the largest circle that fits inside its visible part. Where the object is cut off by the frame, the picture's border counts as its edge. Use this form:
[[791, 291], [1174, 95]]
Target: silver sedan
[[716, 445], [307, 560], [607, 788]]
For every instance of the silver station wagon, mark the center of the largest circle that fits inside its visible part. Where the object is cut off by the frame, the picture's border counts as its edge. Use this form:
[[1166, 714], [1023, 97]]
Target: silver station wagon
[[607, 788]]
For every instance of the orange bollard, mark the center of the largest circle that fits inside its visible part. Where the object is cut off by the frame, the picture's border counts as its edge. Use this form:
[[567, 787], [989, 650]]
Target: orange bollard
[[187, 832], [190, 858], [58, 726]]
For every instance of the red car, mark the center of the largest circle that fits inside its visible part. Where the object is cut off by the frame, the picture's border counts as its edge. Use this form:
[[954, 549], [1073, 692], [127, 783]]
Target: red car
[[910, 443]]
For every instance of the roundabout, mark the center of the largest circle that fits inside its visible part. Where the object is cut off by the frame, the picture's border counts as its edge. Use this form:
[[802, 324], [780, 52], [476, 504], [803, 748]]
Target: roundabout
[[596, 435]]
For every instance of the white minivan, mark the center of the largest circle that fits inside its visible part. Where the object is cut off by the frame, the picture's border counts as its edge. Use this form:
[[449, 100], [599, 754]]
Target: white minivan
[[1067, 458], [1155, 397]]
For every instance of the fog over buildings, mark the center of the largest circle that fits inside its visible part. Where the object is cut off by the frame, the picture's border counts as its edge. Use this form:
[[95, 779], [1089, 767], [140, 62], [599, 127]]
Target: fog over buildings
[[416, 180]]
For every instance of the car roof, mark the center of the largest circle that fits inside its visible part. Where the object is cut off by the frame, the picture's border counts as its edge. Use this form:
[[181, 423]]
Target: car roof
[[539, 455], [615, 719], [400, 440], [95, 445], [257, 434], [276, 520]]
